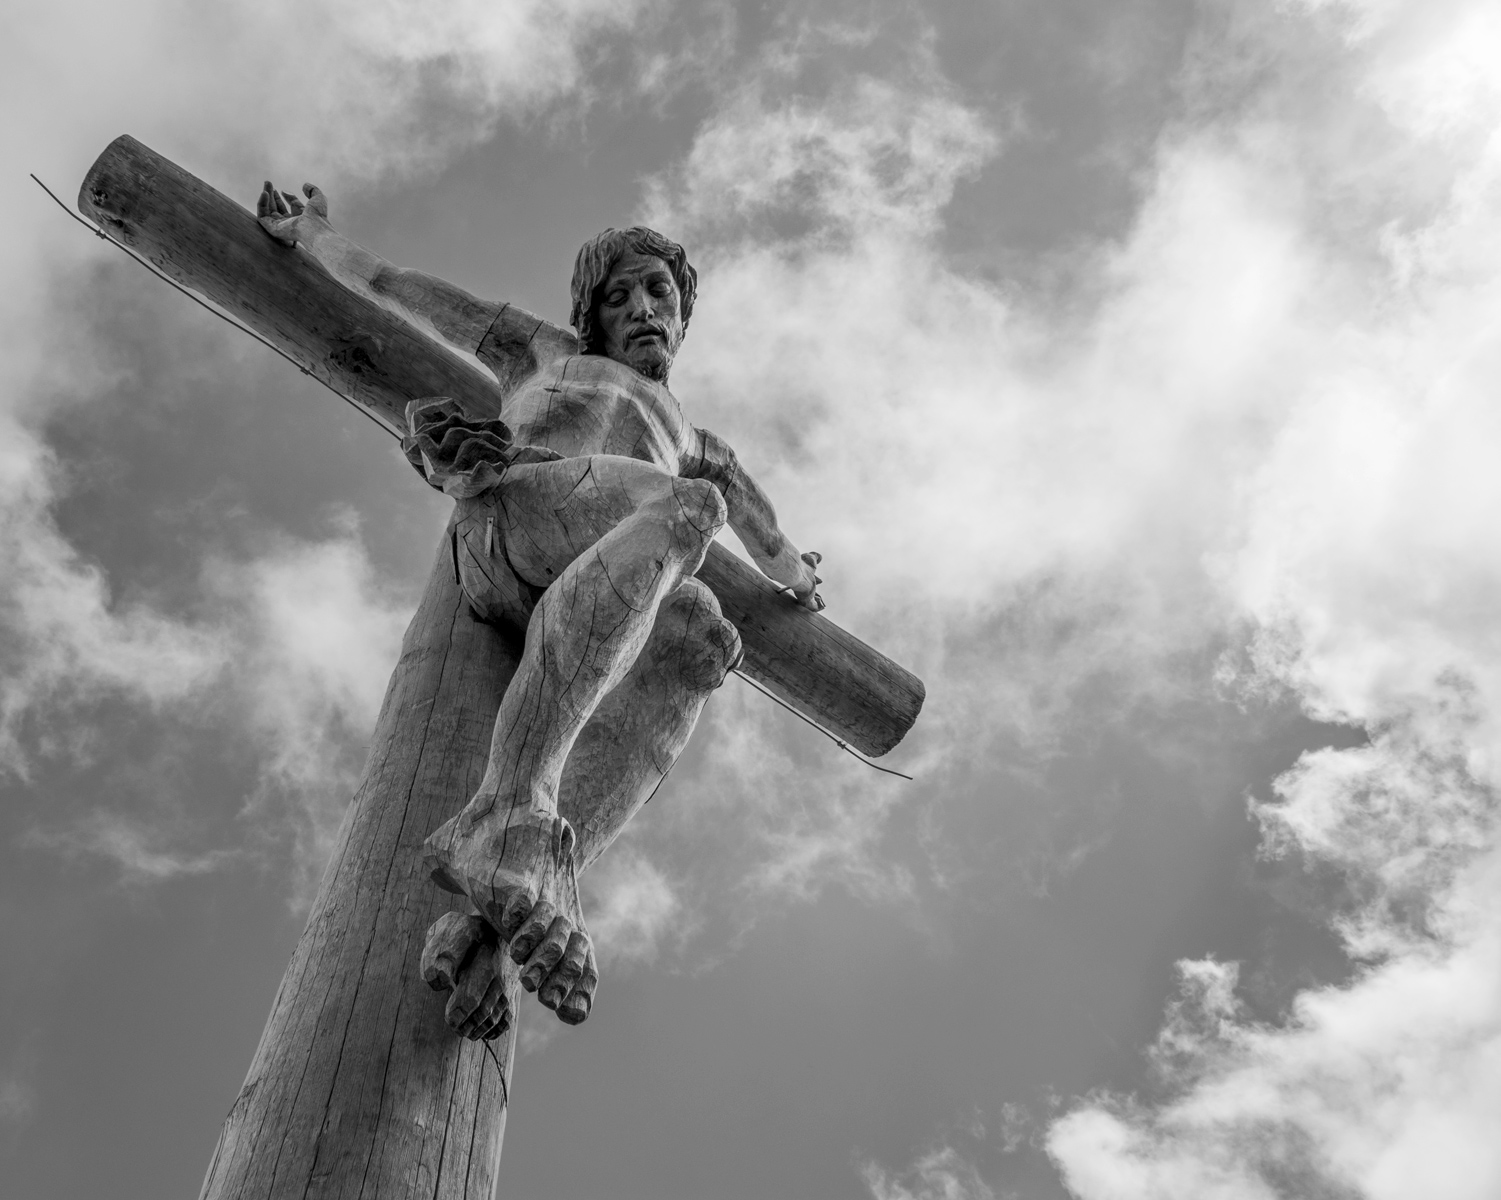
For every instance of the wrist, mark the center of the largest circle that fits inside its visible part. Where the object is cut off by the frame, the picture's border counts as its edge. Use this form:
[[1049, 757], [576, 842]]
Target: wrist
[[784, 565]]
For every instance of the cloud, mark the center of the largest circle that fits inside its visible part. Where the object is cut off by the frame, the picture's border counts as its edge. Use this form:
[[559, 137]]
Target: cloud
[[1261, 429], [363, 89], [1015, 500], [632, 908], [1368, 566], [17, 1099], [65, 638], [304, 639], [940, 1174], [135, 849], [319, 637]]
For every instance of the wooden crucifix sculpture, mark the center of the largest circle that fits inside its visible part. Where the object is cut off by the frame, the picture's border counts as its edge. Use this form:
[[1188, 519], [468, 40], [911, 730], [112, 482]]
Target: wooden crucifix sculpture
[[577, 618]]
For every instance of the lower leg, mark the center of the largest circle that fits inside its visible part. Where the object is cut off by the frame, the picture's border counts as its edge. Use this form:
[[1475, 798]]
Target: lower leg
[[640, 728]]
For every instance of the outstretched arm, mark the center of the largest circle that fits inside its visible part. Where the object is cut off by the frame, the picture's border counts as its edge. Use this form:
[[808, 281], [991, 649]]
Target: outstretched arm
[[449, 311], [753, 518]]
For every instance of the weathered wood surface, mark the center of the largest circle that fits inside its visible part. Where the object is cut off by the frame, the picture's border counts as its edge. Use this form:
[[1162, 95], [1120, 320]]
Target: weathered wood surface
[[206, 241], [358, 1087]]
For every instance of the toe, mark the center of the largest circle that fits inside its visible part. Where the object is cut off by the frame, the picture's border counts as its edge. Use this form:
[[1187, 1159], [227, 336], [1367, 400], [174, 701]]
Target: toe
[[567, 973], [580, 1001], [478, 1007], [514, 908], [547, 955], [469, 992], [532, 931], [492, 1017], [451, 942]]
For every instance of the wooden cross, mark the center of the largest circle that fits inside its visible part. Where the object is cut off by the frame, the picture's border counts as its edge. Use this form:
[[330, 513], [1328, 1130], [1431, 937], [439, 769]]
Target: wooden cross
[[358, 1088]]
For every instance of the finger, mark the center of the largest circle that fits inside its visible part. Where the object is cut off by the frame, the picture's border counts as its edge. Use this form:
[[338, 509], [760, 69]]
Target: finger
[[263, 201], [568, 972], [576, 1008], [547, 955], [532, 931], [812, 557], [294, 203], [316, 200]]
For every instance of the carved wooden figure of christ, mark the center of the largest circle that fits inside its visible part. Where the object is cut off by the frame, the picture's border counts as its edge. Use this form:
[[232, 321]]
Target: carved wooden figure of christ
[[576, 620], [596, 519]]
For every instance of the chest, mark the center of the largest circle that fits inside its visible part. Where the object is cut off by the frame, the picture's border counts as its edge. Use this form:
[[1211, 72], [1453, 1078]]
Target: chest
[[588, 404]]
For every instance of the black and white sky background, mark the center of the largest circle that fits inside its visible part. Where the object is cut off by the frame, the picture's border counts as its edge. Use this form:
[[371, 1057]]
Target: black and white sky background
[[1132, 363]]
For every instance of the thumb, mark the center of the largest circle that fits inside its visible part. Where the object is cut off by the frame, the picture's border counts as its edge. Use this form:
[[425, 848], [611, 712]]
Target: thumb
[[317, 202]]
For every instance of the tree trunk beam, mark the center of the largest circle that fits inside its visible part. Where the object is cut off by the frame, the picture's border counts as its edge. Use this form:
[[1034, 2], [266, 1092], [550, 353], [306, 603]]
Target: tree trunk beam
[[358, 1087], [207, 242]]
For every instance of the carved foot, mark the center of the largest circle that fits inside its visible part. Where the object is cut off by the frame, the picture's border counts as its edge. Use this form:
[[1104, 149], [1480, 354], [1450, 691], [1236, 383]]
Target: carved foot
[[520, 876], [462, 956]]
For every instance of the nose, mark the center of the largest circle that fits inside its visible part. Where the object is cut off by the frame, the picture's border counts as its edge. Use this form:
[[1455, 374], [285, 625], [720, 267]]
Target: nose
[[642, 304]]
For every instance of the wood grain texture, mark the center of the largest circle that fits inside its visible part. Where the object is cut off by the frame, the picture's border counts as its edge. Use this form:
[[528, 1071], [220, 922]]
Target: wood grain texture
[[209, 243], [358, 1087]]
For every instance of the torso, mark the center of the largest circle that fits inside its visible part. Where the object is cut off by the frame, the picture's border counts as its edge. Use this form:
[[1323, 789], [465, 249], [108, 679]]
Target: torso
[[580, 404]]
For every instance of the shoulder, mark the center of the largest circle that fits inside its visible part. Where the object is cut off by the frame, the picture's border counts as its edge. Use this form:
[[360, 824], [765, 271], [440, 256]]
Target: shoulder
[[518, 345]]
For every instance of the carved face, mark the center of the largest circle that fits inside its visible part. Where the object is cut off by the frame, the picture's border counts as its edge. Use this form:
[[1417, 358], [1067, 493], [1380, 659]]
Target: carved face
[[640, 316]]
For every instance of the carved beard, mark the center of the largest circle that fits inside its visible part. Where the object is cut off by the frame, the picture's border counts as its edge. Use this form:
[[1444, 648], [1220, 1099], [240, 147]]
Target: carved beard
[[656, 371], [653, 368]]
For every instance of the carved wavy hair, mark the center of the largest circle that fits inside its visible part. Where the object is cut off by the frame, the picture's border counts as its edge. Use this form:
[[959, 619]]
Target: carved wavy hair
[[597, 258]]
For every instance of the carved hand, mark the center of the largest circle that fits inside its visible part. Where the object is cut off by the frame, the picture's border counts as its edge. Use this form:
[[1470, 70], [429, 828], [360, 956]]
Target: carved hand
[[795, 572], [806, 589], [287, 217]]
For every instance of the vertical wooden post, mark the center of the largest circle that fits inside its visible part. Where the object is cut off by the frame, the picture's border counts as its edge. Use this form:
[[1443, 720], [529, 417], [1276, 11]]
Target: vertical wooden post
[[358, 1088]]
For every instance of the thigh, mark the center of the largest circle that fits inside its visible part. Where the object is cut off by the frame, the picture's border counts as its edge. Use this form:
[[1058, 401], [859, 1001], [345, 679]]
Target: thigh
[[552, 512]]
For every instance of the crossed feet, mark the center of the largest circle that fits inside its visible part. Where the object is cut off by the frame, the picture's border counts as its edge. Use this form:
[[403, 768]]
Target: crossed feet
[[518, 873]]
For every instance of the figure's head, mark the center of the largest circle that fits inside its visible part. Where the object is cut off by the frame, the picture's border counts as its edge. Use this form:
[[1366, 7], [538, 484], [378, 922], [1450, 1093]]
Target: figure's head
[[633, 293]]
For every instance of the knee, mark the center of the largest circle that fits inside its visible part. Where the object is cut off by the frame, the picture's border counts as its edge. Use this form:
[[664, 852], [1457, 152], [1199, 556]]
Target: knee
[[708, 646], [699, 508]]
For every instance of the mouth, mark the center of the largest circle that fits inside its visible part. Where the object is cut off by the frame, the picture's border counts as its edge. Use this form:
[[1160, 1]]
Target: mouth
[[648, 332]]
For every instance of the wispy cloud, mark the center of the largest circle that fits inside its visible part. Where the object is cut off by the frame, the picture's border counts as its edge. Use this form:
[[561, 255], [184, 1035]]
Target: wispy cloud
[[318, 638], [1369, 568], [139, 852], [939, 1174], [631, 908]]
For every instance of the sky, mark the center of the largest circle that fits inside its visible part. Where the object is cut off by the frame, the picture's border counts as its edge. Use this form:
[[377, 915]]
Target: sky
[[1132, 365]]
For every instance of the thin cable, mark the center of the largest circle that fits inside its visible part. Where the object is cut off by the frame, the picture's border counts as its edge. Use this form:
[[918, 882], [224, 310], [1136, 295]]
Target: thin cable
[[833, 737], [222, 315], [505, 1092], [363, 411]]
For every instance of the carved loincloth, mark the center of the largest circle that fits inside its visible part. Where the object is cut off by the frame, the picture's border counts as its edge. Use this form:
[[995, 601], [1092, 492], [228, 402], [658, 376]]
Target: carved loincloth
[[466, 458]]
